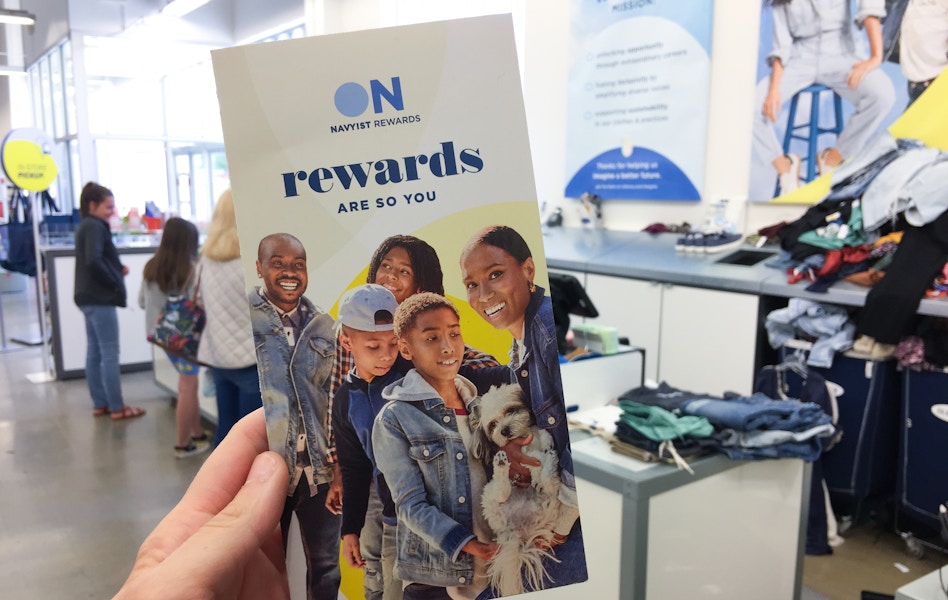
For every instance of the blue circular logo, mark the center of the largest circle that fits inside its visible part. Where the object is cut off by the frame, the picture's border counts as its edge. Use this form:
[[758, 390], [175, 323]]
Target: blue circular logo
[[351, 99]]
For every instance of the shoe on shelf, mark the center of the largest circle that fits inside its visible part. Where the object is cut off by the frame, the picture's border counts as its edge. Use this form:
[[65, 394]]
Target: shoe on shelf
[[721, 242], [790, 181], [882, 351], [697, 242], [864, 344], [192, 449], [682, 243]]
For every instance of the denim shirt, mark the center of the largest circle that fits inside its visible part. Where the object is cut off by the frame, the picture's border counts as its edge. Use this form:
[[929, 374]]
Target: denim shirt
[[295, 381], [818, 27], [539, 377], [421, 453]]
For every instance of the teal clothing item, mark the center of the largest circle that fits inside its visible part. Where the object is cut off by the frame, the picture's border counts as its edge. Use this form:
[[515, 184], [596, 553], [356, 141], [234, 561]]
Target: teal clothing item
[[659, 425], [826, 237]]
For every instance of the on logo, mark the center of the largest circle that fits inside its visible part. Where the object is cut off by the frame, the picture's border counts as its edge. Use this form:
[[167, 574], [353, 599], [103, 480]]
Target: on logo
[[352, 99]]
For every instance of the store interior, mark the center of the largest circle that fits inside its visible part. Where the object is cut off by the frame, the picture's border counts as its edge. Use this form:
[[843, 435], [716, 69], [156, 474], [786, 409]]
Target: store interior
[[127, 97]]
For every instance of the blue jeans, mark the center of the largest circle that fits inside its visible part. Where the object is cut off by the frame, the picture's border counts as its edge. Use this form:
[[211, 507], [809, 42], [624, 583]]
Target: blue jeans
[[102, 356], [238, 395], [319, 530], [378, 548]]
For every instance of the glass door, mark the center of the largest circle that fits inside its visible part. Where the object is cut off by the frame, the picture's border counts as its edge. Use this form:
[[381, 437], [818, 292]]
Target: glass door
[[201, 175]]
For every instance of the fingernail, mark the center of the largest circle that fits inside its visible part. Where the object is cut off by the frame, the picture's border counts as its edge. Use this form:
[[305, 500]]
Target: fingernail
[[262, 468]]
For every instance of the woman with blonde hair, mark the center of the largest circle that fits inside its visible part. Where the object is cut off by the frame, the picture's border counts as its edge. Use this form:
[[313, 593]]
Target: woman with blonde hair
[[227, 341]]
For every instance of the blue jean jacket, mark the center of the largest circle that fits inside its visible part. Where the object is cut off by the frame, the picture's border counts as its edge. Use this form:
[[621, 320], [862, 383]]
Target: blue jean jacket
[[419, 449], [295, 381], [539, 377]]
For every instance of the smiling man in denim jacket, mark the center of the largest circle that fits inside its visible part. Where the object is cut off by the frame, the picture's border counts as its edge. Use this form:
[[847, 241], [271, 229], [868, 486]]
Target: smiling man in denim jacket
[[294, 340]]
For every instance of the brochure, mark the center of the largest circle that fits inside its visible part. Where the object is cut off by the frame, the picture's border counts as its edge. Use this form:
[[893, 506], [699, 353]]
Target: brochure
[[391, 245]]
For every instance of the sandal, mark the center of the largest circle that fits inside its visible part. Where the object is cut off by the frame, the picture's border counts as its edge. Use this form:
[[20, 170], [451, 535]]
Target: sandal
[[100, 412], [129, 412]]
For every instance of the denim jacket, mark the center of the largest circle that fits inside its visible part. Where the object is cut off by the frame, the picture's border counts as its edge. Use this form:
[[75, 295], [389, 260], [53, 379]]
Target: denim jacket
[[539, 377], [295, 381], [421, 453]]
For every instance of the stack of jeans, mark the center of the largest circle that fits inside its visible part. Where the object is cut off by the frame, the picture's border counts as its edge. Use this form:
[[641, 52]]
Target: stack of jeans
[[756, 427]]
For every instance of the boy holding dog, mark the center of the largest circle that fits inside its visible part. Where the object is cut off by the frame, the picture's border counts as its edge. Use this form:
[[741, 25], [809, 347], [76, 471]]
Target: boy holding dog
[[423, 445]]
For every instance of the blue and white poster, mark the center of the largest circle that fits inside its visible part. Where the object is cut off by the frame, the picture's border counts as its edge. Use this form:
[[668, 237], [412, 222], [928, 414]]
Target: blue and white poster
[[637, 109], [829, 80]]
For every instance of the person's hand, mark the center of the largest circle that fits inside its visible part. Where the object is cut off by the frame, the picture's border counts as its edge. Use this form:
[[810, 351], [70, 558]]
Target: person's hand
[[860, 70], [771, 108], [480, 549], [334, 496], [352, 552], [223, 539], [549, 544], [519, 473], [124, 270]]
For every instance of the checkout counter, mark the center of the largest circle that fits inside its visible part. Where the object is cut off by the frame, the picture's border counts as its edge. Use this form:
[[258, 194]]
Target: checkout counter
[[68, 330]]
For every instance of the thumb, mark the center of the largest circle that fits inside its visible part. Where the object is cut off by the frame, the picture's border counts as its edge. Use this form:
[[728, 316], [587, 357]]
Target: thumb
[[228, 540]]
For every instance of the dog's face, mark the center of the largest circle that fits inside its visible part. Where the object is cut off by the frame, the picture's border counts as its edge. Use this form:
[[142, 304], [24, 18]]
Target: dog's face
[[503, 414]]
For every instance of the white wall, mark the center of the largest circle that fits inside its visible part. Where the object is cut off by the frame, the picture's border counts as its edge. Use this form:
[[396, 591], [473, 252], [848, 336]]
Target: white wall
[[253, 17]]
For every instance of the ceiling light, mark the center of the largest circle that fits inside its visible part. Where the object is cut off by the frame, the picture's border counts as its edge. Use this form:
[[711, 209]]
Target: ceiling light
[[179, 8], [16, 17]]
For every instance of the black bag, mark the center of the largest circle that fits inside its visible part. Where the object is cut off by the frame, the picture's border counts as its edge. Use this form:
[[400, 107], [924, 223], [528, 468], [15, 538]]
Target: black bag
[[19, 244], [18, 239]]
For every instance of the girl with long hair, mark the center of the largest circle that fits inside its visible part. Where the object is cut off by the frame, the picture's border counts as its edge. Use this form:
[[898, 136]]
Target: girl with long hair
[[171, 272]]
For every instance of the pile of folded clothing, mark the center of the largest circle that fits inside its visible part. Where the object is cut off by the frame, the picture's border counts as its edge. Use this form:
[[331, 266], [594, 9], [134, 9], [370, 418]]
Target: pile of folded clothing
[[744, 428], [757, 427], [651, 433]]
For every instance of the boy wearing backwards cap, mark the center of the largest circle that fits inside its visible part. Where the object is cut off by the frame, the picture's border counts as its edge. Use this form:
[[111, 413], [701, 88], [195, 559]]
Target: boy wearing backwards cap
[[365, 328]]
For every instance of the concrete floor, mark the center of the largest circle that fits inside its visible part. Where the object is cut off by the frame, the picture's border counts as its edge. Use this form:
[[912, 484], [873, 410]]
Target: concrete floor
[[79, 494]]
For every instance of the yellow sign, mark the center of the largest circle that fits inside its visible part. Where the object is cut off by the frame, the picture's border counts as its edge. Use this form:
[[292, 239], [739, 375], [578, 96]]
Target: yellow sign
[[27, 160]]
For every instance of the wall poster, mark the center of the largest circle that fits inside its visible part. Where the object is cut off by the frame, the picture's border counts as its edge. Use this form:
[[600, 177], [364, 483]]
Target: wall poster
[[637, 108], [389, 171], [839, 94]]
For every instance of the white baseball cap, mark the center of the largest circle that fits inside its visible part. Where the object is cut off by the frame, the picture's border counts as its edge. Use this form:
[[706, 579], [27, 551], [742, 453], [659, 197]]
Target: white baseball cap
[[359, 308]]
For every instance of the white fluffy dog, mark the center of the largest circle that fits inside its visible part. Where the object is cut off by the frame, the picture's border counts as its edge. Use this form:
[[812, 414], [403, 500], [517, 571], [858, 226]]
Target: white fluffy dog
[[522, 518]]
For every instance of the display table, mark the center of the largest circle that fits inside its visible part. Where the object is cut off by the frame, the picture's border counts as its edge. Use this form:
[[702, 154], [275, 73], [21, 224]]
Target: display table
[[928, 587], [734, 529]]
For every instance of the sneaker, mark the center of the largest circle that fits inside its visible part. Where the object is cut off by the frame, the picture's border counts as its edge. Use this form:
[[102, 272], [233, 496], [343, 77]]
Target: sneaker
[[821, 167], [720, 242], [882, 351], [697, 242], [682, 243], [192, 449], [864, 344], [790, 181]]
